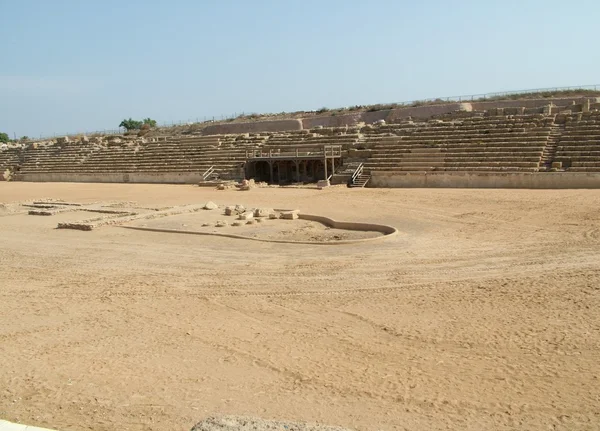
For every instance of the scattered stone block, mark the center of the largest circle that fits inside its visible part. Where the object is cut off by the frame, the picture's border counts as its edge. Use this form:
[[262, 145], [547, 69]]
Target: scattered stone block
[[230, 211], [221, 223], [557, 165], [210, 206], [205, 224], [290, 215], [263, 212], [240, 209], [248, 215], [62, 140], [236, 223], [247, 184]]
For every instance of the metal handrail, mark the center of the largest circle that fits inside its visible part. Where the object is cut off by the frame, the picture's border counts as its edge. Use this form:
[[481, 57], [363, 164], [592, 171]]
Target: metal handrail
[[357, 173], [208, 173]]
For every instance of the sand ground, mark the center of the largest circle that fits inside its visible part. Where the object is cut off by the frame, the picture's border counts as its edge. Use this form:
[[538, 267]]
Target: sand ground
[[483, 314]]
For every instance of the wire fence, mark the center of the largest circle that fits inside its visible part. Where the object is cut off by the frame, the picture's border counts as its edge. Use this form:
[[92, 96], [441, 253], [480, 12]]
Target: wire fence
[[220, 118]]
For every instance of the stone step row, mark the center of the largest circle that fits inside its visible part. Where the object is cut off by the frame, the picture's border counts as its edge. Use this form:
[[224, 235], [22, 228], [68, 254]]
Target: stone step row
[[578, 147], [494, 154], [488, 163], [586, 164], [482, 138], [455, 169], [462, 135], [584, 169], [568, 153], [456, 129], [136, 166], [140, 158], [453, 146], [535, 158]]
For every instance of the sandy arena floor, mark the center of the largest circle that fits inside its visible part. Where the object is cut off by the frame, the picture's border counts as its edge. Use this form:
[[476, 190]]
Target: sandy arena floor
[[483, 314]]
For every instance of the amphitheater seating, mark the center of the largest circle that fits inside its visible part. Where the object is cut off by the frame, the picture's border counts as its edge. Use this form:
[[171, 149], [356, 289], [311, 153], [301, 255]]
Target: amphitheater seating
[[191, 154], [516, 143], [488, 144], [579, 145], [306, 138], [9, 158]]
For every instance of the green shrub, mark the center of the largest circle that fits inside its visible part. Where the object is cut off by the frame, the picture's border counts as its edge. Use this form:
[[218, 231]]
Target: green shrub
[[150, 122], [131, 124], [4, 137]]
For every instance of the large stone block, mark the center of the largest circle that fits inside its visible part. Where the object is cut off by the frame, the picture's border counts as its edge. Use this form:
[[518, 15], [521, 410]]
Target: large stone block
[[290, 215], [248, 215], [210, 206], [263, 212]]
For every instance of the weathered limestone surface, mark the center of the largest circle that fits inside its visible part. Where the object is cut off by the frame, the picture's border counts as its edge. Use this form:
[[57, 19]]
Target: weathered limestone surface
[[290, 215], [248, 215], [263, 212], [239, 423]]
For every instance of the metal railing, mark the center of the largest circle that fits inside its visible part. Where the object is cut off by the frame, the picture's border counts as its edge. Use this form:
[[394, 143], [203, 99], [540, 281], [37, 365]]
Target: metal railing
[[332, 150], [208, 173], [213, 119], [357, 173]]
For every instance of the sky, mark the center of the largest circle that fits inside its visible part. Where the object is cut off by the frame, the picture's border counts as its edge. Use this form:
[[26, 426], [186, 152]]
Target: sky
[[70, 66]]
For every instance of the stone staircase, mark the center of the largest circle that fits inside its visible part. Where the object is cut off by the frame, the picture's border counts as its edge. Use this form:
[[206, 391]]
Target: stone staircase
[[343, 174], [549, 153], [361, 181]]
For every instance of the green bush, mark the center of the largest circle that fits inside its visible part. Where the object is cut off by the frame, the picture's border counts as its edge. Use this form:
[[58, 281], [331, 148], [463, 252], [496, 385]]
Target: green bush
[[150, 122], [131, 124], [4, 137]]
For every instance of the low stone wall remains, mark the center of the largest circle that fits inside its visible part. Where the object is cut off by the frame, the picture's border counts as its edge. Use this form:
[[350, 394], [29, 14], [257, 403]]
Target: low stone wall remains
[[253, 127], [516, 180], [149, 178]]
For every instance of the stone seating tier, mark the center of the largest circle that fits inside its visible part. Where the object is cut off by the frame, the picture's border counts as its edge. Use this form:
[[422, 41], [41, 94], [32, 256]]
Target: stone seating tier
[[486, 144], [457, 169]]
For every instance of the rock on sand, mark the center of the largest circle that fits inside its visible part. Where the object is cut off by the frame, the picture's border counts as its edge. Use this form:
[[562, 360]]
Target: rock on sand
[[240, 423]]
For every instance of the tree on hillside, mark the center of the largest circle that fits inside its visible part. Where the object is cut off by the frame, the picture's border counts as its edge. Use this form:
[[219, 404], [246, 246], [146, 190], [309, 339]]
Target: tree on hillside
[[4, 137], [131, 124], [150, 122]]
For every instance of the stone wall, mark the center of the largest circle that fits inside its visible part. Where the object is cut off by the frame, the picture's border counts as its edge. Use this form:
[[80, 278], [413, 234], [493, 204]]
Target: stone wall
[[149, 178], [423, 111], [332, 120], [253, 127], [527, 103], [539, 180]]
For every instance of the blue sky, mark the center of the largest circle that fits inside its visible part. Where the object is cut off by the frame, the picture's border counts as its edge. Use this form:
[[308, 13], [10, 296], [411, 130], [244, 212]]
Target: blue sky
[[77, 65]]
